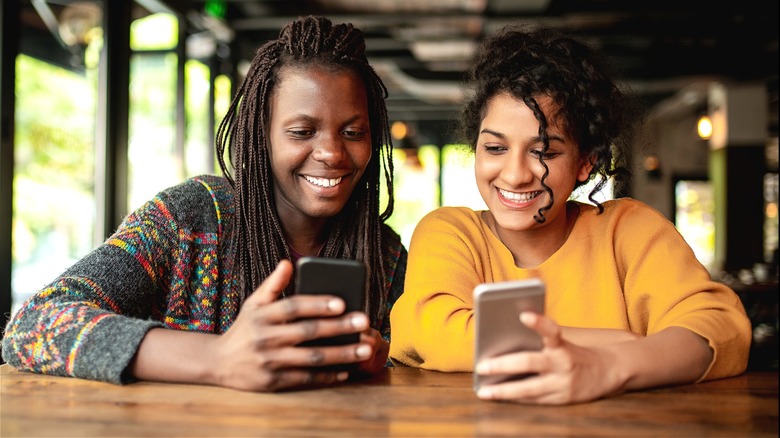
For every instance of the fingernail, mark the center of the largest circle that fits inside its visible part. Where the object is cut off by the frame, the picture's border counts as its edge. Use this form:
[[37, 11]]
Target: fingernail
[[359, 322], [342, 376], [482, 368], [527, 318], [363, 351], [484, 393], [334, 305]]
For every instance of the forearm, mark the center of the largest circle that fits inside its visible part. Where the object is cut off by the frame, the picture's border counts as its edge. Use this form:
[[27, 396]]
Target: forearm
[[590, 337], [673, 356], [174, 356], [433, 335]]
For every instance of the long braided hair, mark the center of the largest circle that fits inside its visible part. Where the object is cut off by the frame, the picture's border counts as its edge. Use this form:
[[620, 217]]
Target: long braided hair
[[582, 83], [356, 232]]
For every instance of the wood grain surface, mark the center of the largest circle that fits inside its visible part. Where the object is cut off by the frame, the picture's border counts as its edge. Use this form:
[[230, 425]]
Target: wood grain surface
[[399, 402]]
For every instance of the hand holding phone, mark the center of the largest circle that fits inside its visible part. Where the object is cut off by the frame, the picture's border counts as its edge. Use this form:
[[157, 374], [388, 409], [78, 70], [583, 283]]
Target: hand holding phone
[[341, 277], [497, 320]]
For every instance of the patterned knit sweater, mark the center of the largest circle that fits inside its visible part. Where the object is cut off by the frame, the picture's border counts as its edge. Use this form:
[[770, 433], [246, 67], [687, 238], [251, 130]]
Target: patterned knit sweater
[[167, 265]]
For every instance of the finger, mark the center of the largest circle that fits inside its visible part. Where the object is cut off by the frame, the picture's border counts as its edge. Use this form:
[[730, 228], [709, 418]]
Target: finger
[[520, 363], [270, 289], [301, 307], [285, 333], [314, 357], [378, 360], [290, 378], [370, 336], [310, 329], [534, 389], [546, 327]]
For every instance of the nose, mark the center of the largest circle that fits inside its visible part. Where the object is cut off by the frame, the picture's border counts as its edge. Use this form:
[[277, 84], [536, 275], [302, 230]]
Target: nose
[[329, 149], [518, 169]]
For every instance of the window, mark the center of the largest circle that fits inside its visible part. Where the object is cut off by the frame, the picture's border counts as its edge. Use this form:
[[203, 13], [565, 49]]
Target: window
[[54, 201], [694, 217]]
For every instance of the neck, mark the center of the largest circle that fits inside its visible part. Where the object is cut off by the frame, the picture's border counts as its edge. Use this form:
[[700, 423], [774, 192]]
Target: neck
[[531, 248], [305, 240]]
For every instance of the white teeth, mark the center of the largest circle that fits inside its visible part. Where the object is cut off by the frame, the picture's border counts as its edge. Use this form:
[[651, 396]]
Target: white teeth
[[323, 182], [518, 197]]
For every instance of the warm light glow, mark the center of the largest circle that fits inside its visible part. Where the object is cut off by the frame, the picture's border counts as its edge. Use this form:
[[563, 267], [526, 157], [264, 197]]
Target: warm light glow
[[399, 130], [771, 210], [704, 127], [651, 163]]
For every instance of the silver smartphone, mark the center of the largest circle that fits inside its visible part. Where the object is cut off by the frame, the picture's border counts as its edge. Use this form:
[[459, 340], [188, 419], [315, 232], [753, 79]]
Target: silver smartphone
[[341, 277], [497, 321]]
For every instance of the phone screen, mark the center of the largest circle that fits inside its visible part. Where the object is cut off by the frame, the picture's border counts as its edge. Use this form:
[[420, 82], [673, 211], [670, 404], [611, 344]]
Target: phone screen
[[497, 320], [340, 277]]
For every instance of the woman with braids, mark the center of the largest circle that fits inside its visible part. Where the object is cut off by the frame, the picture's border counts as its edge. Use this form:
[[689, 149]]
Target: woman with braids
[[628, 306], [196, 285]]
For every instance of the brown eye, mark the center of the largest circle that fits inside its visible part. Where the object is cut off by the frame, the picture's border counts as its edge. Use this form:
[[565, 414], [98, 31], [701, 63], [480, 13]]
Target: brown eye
[[494, 149], [301, 133], [547, 156], [354, 134]]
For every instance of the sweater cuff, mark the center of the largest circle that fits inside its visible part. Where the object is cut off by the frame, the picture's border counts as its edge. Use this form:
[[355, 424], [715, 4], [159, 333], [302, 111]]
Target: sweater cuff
[[108, 349]]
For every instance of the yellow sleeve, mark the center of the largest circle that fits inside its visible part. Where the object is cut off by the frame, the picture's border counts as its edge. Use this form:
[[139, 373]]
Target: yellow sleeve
[[432, 321], [666, 285]]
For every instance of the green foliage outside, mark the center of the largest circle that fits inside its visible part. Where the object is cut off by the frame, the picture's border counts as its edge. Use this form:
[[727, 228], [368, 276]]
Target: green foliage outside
[[54, 170]]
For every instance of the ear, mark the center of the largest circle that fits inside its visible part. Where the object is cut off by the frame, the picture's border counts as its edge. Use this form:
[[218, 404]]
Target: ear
[[585, 167]]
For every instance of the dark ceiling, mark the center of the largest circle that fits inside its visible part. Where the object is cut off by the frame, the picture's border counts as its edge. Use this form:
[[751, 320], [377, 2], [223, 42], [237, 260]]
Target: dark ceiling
[[421, 47]]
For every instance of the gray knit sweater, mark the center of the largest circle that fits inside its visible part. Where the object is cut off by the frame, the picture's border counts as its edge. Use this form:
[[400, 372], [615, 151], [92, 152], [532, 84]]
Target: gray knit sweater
[[167, 265]]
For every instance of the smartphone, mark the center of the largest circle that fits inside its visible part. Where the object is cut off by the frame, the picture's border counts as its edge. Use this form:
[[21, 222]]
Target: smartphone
[[341, 277], [497, 320]]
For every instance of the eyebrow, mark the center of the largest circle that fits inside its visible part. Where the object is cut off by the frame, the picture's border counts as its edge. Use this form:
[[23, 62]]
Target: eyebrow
[[314, 118], [537, 138], [492, 132]]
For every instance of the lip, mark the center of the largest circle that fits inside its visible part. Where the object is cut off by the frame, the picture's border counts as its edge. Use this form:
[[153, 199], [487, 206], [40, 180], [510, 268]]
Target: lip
[[325, 182], [326, 186], [524, 200]]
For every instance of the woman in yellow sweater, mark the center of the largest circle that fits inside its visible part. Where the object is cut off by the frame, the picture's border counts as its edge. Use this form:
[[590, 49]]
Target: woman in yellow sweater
[[628, 305]]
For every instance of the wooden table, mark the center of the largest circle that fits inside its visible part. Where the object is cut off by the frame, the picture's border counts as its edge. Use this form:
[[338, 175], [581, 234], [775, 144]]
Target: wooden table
[[399, 402]]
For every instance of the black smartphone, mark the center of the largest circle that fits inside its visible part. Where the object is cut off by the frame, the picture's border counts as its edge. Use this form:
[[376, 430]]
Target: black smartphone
[[341, 277], [498, 329]]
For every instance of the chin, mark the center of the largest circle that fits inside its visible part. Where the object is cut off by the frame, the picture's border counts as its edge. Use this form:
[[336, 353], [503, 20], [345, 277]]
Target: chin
[[324, 211], [515, 222]]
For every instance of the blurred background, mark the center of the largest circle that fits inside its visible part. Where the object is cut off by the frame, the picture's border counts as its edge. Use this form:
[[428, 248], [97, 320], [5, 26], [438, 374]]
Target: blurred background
[[104, 103]]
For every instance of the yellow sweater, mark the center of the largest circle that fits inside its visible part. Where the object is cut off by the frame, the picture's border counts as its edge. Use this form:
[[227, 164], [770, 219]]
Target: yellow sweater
[[627, 268]]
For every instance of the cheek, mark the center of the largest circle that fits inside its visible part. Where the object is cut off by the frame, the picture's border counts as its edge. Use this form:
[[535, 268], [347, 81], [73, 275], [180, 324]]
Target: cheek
[[277, 163], [485, 167], [361, 156], [286, 162]]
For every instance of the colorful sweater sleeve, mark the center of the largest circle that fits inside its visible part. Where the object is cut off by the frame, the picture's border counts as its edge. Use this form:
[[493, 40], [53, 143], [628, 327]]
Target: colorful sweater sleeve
[[90, 321]]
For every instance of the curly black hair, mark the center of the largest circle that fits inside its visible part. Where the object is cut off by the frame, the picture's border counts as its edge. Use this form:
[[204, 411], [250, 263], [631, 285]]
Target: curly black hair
[[356, 232], [593, 110]]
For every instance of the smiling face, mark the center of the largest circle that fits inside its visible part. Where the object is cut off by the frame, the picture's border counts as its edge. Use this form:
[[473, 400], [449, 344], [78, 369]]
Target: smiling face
[[508, 171], [320, 141]]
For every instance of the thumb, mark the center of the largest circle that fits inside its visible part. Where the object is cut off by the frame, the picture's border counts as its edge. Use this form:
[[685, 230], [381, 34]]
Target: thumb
[[546, 327], [270, 289]]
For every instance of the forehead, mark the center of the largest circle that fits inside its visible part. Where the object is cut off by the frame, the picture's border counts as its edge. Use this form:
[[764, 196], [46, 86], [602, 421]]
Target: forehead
[[318, 92], [312, 82], [317, 73], [550, 109]]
